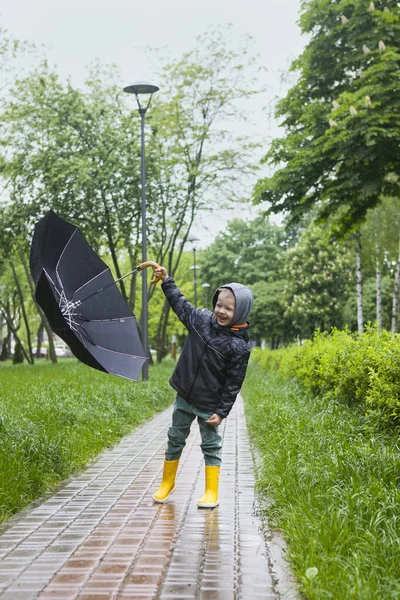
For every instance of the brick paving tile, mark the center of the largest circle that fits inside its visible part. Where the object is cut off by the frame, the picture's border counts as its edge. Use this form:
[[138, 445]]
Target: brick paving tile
[[101, 537], [94, 596]]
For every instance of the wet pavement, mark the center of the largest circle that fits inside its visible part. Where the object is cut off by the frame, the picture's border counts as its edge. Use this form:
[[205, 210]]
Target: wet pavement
[[101, 537]]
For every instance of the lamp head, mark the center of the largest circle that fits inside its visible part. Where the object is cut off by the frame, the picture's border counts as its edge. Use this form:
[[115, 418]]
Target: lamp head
[[193, 240], [141, 87]]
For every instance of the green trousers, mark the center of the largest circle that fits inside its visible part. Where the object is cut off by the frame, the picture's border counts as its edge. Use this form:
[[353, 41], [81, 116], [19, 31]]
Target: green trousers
[[182, 417]]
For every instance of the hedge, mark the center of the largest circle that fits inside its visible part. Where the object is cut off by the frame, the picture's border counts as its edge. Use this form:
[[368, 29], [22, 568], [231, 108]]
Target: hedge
[[362, 370]]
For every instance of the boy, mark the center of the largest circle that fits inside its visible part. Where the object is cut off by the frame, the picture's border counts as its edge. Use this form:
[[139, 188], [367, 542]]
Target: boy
[[207, 378]]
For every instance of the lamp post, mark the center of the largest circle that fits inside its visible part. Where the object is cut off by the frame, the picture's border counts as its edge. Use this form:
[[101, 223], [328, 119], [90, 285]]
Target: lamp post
[[143, 89], [205, 287], [193, 240]]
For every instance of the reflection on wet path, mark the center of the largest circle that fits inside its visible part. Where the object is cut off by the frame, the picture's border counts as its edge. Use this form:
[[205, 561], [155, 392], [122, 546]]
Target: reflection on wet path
[[102, 537]]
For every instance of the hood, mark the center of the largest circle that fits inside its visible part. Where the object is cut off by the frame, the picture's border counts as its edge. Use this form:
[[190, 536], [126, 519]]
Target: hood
[[244, 301]]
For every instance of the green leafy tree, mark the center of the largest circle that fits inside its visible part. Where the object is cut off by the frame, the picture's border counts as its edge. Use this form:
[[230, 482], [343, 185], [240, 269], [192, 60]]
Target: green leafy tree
[[251, 253], [268, 322], [340, 151], [318, 279], [12, 52], [78, 152], [369, 303], [198, 162], [248, 251], [380, 256]]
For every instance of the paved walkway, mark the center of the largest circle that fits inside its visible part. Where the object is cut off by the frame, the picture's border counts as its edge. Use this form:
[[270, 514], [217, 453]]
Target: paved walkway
[[101, 537]]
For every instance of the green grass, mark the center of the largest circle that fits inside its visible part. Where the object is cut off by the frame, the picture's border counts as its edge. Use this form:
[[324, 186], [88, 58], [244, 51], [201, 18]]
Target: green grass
[[55, 418], [333, 488]]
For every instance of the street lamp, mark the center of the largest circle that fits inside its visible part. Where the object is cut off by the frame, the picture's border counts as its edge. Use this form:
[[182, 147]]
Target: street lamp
[[193, 240], [143, 89], [205, 287]]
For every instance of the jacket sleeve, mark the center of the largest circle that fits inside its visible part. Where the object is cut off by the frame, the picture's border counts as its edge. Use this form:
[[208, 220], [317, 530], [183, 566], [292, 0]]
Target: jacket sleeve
[[234, 380], [179, 304]]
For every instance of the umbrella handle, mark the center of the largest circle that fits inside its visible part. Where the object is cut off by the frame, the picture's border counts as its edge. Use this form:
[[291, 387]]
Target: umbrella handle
[[150, 263]]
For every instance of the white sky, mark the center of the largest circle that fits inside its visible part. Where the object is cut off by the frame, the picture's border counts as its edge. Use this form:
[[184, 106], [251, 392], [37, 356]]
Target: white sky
[[77, 32]]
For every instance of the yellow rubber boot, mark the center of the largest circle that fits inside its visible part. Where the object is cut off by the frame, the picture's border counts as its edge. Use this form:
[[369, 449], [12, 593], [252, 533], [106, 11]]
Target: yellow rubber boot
[[168, 481], [210, 498]]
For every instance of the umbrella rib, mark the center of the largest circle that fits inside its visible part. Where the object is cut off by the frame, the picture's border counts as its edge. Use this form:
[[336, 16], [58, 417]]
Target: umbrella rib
[[64, 249], [110, 320], [62, 296], [109, 349], [50, 279], [124, 376], [121, 353], [87, 282], [85, 336], [65, 305], [90, 280], [66, 308]]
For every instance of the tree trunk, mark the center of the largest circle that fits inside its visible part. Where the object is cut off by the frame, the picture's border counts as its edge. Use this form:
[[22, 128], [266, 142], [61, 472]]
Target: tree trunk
[[378, 270], [6, 345], [378, 291], [14, 331], [52, 351], [113, 249], [395, 302], [40, 332], [31, 359], [173, 257], [359, 287]]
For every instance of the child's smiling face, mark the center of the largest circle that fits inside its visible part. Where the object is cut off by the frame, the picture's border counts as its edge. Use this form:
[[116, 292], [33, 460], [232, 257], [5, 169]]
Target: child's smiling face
[[225, 307]]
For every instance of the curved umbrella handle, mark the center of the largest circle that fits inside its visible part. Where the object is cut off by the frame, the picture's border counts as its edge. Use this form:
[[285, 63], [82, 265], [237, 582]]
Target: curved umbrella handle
[[150, 263]]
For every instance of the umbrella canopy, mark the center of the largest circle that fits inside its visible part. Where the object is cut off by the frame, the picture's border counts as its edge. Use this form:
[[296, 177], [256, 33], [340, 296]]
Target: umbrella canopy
[[70, 279]]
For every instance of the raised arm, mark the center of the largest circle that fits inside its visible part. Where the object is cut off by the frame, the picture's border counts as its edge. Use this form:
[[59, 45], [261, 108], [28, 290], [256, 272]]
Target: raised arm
[[179, 304]]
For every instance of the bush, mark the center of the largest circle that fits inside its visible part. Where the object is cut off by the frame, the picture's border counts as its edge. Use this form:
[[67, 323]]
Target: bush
[[18, 356], [362, 369]]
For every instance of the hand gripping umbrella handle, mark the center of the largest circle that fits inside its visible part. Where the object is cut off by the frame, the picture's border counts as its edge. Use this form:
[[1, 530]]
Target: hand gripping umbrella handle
[[150, 263]]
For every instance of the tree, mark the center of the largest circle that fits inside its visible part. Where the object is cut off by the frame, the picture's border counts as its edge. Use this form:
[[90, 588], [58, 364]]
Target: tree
[[268, 322], [78, 153], [198, 164], [380, 241], [340, 151], [10, 50], [251, 253], [369, 303], [247, 252], [17, 284], [359, 284], [318, 279]]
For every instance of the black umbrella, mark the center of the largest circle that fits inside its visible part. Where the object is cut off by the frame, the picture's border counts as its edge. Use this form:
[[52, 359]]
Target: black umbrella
[[78, 295]]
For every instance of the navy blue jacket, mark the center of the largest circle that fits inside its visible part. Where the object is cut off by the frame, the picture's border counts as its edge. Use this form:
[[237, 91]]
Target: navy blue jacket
[[213, 362]]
